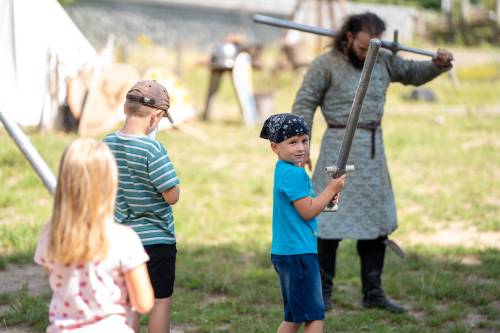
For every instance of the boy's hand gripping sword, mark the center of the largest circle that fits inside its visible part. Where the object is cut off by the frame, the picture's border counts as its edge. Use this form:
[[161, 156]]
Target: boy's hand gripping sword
[[340, 167]]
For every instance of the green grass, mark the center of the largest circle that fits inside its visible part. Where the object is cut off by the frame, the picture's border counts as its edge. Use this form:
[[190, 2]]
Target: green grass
[[445, 169], [23, 308]]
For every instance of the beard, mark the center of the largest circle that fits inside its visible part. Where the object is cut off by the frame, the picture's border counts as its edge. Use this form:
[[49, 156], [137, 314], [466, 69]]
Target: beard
[[354, 59]]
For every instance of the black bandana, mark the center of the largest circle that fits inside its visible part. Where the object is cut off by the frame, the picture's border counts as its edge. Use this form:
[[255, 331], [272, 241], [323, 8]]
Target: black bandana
[[279, 127]]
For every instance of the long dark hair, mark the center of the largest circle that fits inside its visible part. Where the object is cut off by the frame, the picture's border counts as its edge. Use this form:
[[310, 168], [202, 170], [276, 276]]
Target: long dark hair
[[368, 22]]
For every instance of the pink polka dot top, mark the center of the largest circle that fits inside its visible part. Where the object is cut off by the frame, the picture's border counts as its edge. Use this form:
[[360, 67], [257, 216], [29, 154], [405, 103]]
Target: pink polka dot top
[[93, 297]]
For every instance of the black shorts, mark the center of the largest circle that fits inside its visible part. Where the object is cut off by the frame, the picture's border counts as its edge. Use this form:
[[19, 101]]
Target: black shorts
[[161, 268]]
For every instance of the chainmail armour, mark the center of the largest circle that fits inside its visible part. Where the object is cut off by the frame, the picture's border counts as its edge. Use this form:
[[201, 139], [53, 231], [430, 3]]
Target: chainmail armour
[[367, 207]]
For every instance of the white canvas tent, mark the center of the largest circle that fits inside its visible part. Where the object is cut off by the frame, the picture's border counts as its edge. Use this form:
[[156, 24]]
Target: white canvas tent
[[40, 47]]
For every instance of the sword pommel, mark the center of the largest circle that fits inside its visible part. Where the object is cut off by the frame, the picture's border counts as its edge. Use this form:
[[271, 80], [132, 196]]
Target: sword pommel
[[376, 43]]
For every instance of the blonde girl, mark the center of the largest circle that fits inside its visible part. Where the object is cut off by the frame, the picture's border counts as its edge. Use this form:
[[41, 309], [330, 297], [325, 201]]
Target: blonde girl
[[96, 267]]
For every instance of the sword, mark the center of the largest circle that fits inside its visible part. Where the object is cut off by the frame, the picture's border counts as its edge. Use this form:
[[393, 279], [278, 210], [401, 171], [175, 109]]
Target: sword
[[339, 168], [395, 248], [394, 46]]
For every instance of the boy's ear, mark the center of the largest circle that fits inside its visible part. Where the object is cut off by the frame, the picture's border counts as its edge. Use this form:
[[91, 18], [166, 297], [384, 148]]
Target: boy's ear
[[155, 115], [274, 147], [159, 113]]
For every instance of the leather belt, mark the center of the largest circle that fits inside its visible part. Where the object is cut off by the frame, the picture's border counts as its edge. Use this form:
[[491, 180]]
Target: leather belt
[[372, 126]]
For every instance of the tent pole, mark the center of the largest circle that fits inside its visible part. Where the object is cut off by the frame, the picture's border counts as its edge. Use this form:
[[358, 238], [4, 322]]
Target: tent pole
[[29, 151]]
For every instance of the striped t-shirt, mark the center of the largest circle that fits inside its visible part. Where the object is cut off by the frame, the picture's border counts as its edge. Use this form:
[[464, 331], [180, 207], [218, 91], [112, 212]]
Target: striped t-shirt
[[145, 171]]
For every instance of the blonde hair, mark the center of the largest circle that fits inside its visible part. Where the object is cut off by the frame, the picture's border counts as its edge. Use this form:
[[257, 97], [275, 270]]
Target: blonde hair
[[83, 204], [137, 109]]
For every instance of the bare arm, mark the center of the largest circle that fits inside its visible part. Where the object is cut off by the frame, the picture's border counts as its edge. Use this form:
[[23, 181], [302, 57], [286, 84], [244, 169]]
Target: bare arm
[[139, 289], [171, 196], [309, 207]]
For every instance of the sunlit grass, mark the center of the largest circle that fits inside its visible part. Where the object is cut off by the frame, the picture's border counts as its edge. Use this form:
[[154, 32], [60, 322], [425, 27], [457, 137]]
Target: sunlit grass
[[445, 169]]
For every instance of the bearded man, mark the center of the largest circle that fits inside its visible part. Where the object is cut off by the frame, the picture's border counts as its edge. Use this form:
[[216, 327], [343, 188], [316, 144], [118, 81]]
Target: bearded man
[[367, 209]]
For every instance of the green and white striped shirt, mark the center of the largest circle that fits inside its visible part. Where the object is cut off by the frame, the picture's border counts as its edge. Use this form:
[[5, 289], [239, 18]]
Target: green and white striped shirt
[[145, 171]]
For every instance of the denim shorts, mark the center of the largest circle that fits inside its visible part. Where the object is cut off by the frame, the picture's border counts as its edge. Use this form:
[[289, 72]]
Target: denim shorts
[[300, 286]]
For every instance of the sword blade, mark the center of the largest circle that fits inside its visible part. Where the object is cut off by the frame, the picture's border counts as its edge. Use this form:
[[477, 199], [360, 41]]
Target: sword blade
[[356, 108], [352, 121], [282, 23], [395, 248], [396, 47]]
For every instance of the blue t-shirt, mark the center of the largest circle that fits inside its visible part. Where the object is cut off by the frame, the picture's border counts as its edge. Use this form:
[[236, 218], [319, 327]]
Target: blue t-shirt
[[291, 233]]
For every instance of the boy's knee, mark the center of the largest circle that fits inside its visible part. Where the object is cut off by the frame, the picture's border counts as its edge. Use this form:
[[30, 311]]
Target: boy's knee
[[159, 302]]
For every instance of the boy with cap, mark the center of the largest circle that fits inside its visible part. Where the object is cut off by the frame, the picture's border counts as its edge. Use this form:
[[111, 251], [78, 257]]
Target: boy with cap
[[148, 187], [295, 206]]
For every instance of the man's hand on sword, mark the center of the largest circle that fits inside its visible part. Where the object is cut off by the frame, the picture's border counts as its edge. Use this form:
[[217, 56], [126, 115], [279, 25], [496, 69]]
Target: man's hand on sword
[[443, 58]]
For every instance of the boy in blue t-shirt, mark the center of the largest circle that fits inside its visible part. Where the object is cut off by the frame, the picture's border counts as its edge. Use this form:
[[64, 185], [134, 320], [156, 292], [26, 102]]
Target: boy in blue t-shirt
[[295, 206]]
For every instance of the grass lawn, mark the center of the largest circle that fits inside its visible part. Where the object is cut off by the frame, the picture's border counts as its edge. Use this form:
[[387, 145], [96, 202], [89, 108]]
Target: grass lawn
[[445, 169]]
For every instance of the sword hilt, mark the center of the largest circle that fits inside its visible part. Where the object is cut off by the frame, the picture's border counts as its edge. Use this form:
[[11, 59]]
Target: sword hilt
[[395, 47], [336, 173]]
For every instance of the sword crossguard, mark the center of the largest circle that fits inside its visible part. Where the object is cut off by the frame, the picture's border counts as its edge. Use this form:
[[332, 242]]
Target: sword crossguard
[[395, 42], [335, 172], [393, 46]]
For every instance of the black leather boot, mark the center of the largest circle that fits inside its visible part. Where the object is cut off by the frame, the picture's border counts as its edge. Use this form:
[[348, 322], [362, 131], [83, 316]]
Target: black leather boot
[[376, 300], [326, 289], [327, 253], [372, 255]]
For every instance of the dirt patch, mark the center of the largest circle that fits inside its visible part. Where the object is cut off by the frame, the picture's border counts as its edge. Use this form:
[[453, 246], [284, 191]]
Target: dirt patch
[[473, 319], [214, 299], [479, 143], [173, 329], [466, 57], [457, 234], [451, 109], [470, 261], [15, 276], [35, 278], [418, 315], [27, 329]]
